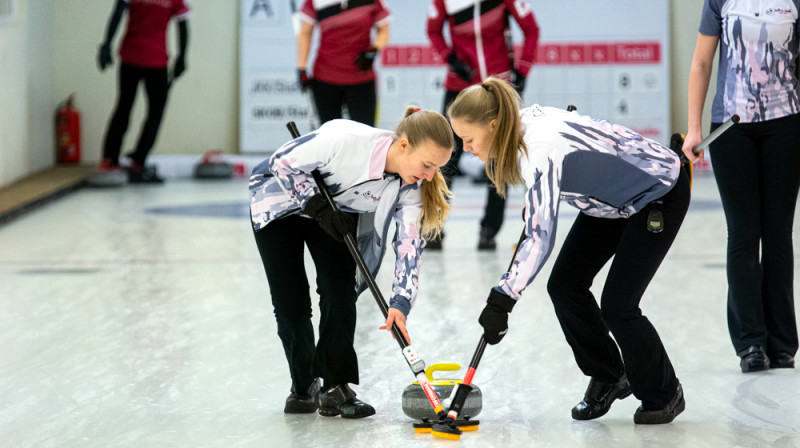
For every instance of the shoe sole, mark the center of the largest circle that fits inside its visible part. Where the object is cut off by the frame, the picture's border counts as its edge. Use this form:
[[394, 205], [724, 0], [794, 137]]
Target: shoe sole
[[328, 412]]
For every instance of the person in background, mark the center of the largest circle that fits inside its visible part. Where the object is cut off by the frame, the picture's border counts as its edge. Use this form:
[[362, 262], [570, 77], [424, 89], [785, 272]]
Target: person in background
[[143, 57], [376, 177], [756, 165], [342, 75], [632, 195], [480, 46]]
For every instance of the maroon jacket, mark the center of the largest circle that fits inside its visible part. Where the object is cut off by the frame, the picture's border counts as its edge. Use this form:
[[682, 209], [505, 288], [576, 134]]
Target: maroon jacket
[[485, 51]]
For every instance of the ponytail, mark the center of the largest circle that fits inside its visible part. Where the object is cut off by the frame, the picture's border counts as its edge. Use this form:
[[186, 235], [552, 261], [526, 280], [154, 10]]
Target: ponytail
[[419, 125], [495, 99]]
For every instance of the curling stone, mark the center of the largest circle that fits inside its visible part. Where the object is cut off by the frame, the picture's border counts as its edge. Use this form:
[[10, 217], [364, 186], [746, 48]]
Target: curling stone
[[212, 166], [417, 406], [116, 178]]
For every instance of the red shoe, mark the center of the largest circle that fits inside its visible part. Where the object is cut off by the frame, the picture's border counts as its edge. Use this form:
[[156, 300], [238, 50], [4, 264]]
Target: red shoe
[[107, 166]]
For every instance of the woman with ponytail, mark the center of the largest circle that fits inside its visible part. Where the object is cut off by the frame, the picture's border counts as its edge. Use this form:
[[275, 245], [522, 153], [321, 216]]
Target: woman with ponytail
[[632, 195], [375, 177]]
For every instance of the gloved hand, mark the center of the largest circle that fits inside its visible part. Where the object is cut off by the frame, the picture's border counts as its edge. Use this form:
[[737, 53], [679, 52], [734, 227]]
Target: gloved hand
[[303, 79], [179, 68], [458, 67], [365, 59], [104, 58], [337, 224], [494, 317], [518, 80]]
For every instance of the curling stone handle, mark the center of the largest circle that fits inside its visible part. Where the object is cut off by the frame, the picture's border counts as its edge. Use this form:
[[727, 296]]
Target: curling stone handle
[[441, 367]]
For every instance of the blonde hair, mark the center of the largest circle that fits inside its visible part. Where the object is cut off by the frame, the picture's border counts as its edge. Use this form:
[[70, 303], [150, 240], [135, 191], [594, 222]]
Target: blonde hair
[[419, 125], [479, 104]]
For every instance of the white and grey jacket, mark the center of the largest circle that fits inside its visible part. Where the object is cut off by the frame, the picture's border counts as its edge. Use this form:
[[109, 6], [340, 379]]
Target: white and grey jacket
[[602, 169], [351, 157]]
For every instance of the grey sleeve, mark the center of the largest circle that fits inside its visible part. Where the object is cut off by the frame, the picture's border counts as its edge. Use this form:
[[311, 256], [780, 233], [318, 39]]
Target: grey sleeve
[[711, 20]]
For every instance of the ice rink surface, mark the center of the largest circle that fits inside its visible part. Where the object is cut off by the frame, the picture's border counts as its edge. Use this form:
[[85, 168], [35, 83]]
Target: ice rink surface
[[140, 317]]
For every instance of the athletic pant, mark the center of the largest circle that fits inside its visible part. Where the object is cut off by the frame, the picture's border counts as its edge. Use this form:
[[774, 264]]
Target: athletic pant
[[637, 255], [494, 213], [360, 100], [757, 168], [281, 245], [156, 87]]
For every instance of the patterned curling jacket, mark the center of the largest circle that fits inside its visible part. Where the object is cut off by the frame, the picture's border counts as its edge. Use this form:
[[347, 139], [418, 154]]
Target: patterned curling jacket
[[351, 157], [602, 169]]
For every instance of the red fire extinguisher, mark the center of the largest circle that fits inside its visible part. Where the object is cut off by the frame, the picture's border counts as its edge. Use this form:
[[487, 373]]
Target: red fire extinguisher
[[68, 132]]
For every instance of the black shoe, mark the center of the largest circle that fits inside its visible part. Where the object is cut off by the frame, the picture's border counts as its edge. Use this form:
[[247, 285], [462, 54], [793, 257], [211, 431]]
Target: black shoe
[[305, 403], [664, 415], [754, 359], [138, 174], [598, 398], [781, 360], [341, 400], [486, 240]]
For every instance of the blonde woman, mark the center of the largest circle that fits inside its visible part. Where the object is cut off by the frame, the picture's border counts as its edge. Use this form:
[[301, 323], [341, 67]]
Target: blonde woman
[[632, 195], [376, 177]]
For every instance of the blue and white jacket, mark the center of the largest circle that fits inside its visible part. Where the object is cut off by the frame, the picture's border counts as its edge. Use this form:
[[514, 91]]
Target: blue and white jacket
[[351, 157], [602, 169]]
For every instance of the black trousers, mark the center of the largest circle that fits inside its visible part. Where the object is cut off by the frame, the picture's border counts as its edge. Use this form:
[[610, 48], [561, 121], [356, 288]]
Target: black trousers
[[494, 212], [333, 358], [360, 100], [156, 86], [637, 255], [757, 169]]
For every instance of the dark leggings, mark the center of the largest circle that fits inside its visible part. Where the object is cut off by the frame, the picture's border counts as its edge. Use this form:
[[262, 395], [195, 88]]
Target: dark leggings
[[156, 86], [281, 245], [360, 100], [757, 169], [637, 255], [494, 213]]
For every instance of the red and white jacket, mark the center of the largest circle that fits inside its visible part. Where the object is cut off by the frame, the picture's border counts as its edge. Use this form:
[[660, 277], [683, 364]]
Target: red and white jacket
[[478, 35]]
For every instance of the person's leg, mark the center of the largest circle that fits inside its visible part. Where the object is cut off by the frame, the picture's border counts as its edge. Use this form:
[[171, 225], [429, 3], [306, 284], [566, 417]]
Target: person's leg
[[780, 180], [156, 84], [335, 359], [589, 245], [361, 102], [492, 221], [328, 99], [734, 156], [281, 247], [127, 85], [638, 256], [591, 242]]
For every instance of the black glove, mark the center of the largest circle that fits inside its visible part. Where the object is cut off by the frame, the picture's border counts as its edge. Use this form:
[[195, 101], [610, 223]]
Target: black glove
[[303, 78], [494, 317], [458, 67], [337, 224], [518, 80], [179, 68], [365, 59], [104, 58]]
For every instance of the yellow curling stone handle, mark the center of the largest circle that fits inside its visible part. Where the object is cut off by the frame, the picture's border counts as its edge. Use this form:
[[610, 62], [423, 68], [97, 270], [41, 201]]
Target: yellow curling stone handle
[[442, 367]]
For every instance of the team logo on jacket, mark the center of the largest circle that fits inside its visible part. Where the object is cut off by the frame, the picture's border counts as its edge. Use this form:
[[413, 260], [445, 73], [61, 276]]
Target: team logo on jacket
[[370, 196]]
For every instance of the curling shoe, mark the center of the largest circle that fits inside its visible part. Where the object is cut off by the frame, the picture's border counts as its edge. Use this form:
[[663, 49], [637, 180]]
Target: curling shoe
[[303, 403], [598, 398], [781, 360], [664, 415], [341, 400], [486, 240], [754, 359]]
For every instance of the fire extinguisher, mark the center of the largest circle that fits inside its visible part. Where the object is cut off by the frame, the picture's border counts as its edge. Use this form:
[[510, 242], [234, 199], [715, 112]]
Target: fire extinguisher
[[68, 132]]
